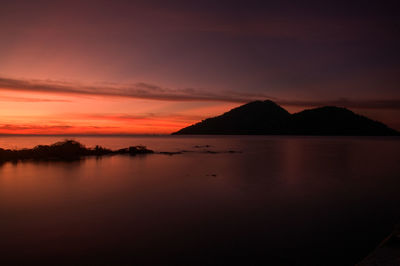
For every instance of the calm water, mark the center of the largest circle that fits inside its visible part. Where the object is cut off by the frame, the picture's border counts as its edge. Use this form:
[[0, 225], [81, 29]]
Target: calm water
[[281, 201]]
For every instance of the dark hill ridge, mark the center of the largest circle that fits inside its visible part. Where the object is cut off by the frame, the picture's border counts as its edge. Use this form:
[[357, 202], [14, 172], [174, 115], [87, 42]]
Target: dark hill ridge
[[268, 118], [252, 118]]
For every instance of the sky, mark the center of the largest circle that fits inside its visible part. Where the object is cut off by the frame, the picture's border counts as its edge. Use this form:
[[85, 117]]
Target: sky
[[153, 67]]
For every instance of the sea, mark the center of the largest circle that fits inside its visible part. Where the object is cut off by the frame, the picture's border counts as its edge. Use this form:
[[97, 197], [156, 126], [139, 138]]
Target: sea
[[210, 200]]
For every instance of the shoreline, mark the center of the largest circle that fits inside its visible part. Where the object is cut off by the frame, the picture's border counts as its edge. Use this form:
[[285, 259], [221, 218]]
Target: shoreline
[[67, 150]]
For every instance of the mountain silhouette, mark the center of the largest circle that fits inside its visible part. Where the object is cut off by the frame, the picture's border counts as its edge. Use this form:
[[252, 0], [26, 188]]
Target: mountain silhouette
[[268, 118]]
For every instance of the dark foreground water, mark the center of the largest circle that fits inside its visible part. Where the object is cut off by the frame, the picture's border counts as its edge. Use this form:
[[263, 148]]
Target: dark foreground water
[[282, 201]]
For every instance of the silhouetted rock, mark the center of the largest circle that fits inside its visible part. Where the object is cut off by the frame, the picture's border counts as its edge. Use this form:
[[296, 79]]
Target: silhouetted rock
[[268, 118], [133, 150], [65, 150], [201, 146], [170, 153]]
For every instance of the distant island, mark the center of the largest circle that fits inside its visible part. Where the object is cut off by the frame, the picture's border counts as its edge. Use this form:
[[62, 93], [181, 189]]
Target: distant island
[[65, 151], [268, 118]]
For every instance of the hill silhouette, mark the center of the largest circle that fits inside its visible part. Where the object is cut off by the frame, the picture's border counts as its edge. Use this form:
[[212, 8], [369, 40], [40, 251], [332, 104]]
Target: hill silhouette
[[268, 118]]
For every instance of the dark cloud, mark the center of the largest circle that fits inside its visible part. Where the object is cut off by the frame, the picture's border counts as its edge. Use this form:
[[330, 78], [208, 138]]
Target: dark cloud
[[138, 90], [148, 116], [153, 92]]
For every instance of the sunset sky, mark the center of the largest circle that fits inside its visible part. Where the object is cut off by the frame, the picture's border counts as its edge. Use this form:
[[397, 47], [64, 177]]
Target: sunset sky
[[153, 67]]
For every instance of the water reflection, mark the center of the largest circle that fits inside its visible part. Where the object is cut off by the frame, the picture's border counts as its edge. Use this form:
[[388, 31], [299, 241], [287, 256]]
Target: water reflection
[[283, 200]]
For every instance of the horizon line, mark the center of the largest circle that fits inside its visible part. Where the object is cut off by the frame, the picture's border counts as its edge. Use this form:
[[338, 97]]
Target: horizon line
[[81, 135]]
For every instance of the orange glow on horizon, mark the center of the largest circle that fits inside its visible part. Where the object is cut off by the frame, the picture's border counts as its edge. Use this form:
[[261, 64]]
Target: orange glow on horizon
[[55, 114]]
